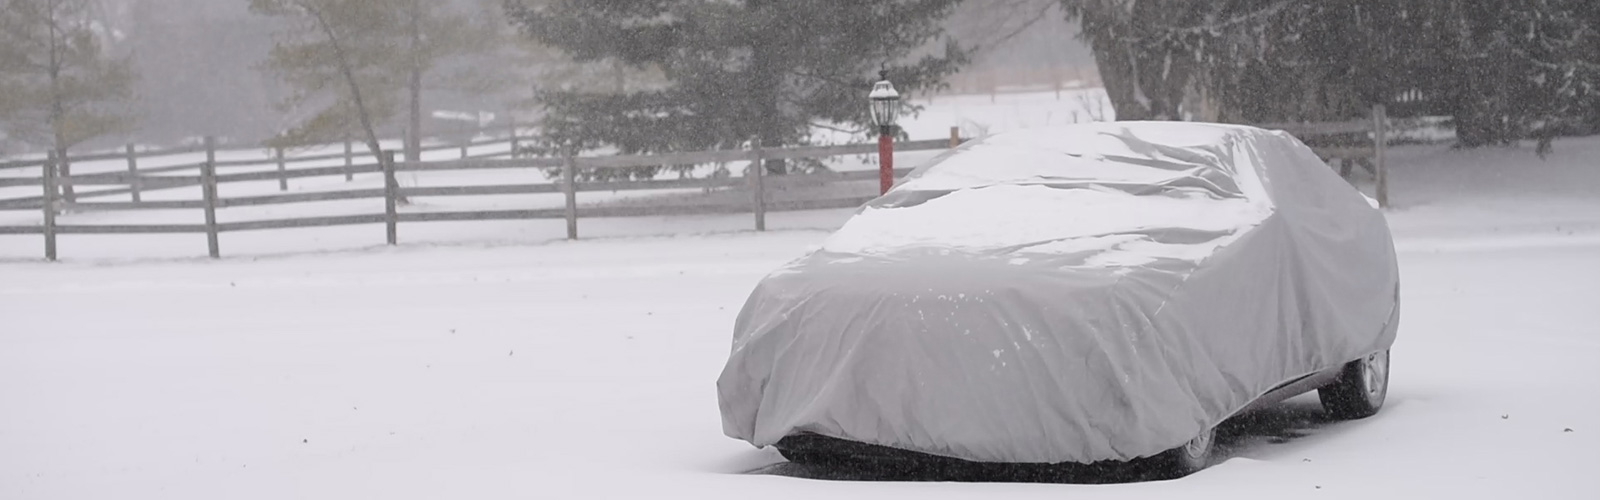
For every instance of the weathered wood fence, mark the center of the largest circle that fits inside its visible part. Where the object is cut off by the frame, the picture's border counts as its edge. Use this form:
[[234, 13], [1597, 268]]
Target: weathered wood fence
[[143, 181], [278, 157], [1344, 144], [135, 182]]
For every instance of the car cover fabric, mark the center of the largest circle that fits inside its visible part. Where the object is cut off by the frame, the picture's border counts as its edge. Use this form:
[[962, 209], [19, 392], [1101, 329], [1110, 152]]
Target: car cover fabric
[[1077, 294]]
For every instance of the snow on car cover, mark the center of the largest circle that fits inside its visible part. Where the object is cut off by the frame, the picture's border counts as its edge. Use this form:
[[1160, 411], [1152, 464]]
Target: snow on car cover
[[1098, 292]]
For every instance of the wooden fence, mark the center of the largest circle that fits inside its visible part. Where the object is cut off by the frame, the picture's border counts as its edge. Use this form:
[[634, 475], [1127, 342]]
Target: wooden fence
[[209, 178], [136, 181], [279, 157], [1344, 144]]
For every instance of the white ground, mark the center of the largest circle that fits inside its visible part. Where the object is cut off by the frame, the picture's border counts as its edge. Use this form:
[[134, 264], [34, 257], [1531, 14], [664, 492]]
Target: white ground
[[492, 363]]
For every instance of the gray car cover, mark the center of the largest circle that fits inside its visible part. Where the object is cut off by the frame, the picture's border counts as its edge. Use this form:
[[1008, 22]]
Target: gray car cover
[[1095, 292]]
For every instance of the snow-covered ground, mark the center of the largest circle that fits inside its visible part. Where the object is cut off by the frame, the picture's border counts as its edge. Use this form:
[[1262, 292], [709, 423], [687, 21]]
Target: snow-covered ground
[[485, 360]]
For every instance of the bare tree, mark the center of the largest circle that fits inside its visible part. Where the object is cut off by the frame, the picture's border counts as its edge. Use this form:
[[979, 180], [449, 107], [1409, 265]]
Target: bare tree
[[57, 84]]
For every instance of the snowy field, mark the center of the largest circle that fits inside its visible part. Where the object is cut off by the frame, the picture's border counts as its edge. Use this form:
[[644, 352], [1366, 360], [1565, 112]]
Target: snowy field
[[490, 361]]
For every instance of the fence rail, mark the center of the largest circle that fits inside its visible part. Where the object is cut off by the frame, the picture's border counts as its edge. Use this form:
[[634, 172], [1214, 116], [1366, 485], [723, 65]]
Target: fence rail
[[134, 155], [1323, 137], [136, 182], [209, 179], [14, 164]]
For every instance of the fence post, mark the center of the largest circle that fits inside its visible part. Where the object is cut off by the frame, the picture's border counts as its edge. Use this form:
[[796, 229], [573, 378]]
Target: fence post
[[208, 189], [569, 187], [349, 161], [1055, 79], [758, 183], [283, 172], [133, 173], [955, 137], [1380, 142], [513, 126], [390, 197], [49, 171], [464, 151]]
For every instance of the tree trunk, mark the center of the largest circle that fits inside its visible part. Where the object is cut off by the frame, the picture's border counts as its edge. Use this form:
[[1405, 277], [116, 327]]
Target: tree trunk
[[1121, 80], [414, 127], [1142, 81], [1483, 114], [58, 108], [414, 123], [1163, 76], [765, 76], [619, 77], [350, 78]]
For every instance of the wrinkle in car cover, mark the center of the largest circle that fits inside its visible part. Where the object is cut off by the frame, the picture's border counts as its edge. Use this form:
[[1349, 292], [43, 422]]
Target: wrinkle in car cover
[[1097, 292]]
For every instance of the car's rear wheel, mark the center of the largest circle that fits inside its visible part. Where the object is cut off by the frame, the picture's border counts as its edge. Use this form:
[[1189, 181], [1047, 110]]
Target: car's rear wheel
[[1189, 458], [1361, 388]]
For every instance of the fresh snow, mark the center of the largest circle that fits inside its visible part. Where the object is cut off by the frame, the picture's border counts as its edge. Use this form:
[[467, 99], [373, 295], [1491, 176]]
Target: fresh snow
[[1089, 152], [484, 360], [1011, 216], [1004, 193], [586, 370]]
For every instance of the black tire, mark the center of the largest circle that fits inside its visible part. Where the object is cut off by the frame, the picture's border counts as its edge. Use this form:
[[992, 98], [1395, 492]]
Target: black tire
[[1360, 390], [810, 457], [1189, 458]]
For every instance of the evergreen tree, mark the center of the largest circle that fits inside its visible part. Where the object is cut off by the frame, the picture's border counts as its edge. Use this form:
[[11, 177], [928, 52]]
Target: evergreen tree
[[732, 71], [526, 62], [58, 85], [1145, 61], [1238, 60], [1503, 70], [1529, 69], [1275, 61], [362, 63]]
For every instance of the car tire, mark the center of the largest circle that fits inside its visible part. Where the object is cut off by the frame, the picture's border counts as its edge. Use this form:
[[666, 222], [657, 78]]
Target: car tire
[[810, 457], [1360, 390], [1189, 458]]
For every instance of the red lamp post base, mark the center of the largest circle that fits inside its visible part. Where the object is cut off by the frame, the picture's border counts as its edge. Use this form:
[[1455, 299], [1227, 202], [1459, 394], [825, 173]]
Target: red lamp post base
[[885, 162]]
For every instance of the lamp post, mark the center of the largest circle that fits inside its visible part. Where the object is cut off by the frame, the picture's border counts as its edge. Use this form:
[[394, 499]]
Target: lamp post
[[885, 109]]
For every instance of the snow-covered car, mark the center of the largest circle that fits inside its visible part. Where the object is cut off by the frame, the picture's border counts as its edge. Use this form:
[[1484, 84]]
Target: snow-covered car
[[1104, 292]]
